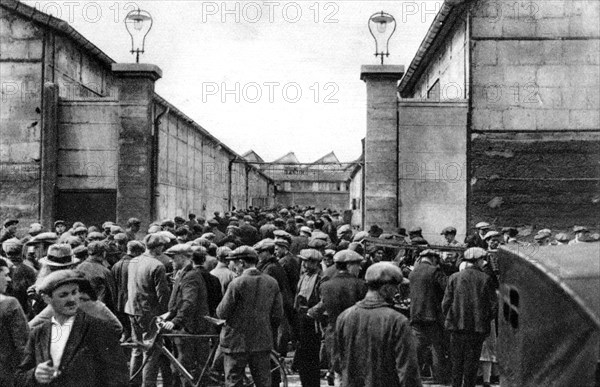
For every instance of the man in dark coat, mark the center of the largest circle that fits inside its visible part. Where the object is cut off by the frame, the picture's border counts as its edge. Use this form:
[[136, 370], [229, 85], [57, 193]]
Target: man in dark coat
[[288, 261], [74, 349], [374, 345], [252, 310], [187, 307], [340, 292], [212, 283], [268, 265], [476, 239], [469, 305], [427, 286], [248, 233]]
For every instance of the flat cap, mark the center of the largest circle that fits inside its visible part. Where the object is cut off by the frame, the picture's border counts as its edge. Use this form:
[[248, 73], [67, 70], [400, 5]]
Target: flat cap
[[384, 273], [317, 243], [474, 253], [59, 222], [246, 253], [56, 279], [429, 253], [482, 225], [35, 228], [10, 222], [133, 221], [329, 252], [167, 234], [213, 222], [360, 236], [344, 228], [562, 237], [208, 236], [95, 236], [282, 234], [491, 234], [306, 230], [541, 235], [282, 242], [179, 219], [265, 244], [121, 237], [79, 230], [418, 241], [115, 229], [156, 239], [577, 229], [347, 256], [223, 252], [105, 224], [96, 248], [12, 246], [167, 222], [448, 230], [179, 249], [415, 230], [310, 255], [154, 229], [80, 251], [248, 218]]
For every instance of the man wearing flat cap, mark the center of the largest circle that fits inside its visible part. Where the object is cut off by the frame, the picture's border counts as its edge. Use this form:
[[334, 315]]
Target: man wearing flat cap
[[73, 349], [60, 227], [469, 305], [22, 275], [288, 261], [373, 342], [133, 227], [427, 286], [102, 280], [252, 309], [147, 296], [338, 293], [306, 358], [476, 239], [9, 230], [581, 235]]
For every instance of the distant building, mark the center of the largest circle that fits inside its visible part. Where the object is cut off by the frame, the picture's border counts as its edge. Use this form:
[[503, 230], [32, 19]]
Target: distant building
[[323, 183], [496, 118]]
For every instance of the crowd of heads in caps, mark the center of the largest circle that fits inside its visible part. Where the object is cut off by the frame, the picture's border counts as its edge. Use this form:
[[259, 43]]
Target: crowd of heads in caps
[[292, 229]]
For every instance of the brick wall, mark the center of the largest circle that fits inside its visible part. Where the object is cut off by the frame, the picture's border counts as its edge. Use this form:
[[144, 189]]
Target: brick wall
[[536, 114], [21, 60]]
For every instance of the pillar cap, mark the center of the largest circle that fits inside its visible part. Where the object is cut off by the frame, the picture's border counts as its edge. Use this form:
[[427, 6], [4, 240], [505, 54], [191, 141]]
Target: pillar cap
[[391, 72], [137, 70]]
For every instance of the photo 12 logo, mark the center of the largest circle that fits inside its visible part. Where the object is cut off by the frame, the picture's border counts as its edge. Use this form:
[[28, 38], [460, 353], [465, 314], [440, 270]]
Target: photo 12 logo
[[269, 11], [88, 11], [271, 92]]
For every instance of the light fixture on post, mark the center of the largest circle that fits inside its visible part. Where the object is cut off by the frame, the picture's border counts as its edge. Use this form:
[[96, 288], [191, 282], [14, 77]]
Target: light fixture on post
[[138, 24], [382, 26]]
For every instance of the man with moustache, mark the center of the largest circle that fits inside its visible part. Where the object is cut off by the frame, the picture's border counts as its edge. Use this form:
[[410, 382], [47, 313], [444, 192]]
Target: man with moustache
[[73, 349]]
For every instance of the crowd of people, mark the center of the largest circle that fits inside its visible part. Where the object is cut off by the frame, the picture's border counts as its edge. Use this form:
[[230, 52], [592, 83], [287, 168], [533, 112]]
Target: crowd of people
[[297, 280]]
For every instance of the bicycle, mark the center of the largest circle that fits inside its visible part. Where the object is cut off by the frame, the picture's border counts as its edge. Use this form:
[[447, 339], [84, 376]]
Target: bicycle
[[207, 377]]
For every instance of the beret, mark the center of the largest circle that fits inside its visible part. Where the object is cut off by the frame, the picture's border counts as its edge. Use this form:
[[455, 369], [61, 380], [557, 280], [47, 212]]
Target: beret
[[448, 230], [282, 242], [384, 272], [474, 253], [347, 256], [360, 236], [317, 243], [310, 255], [264, 244], [244, 252], [491, 234], [180, 249], [482, 225], [12, 246], [56, 279]]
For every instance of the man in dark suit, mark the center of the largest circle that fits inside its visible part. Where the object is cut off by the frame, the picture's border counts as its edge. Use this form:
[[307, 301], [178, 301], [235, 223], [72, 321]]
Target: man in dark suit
[[427, 286], [469, 305], [252, 310], [74, 349], [476, 239]]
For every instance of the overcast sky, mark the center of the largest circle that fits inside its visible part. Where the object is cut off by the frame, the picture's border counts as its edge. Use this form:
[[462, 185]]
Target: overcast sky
[[274, 76]]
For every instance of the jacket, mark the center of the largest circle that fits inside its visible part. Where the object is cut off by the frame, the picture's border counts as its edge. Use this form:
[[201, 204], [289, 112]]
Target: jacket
[[374, 346], [92, 355], [341, 292], [470, 301], [272, 268], [213, 289], [189, 301], [13, 337], [147, 287], [292, 270], [427, 286], [252, 309], [120, 274]]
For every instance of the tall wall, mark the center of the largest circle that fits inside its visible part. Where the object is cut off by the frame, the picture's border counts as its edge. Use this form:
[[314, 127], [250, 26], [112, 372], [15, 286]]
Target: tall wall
[[535, 114], [21, 62], [333, 200], [432, 159], [448, 68]]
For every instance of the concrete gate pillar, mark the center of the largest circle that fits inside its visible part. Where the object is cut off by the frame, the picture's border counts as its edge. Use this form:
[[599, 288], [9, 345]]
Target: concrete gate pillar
[[135, 82], [381, 146]]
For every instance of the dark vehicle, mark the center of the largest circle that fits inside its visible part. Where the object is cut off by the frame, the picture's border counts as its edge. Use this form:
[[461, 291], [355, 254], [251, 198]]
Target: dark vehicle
[[549, 315]]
